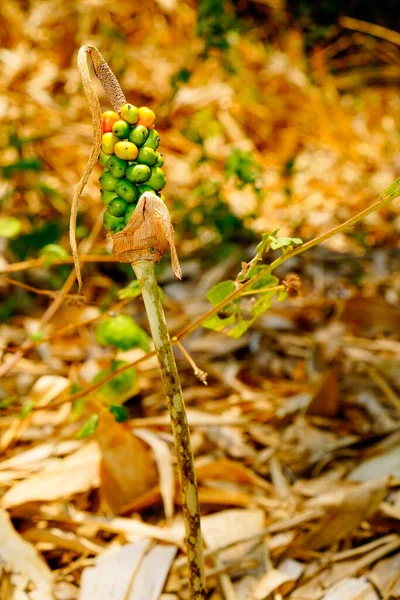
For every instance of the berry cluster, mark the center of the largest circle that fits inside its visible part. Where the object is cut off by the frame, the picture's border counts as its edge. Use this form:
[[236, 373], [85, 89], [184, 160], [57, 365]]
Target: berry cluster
[[131, 163]]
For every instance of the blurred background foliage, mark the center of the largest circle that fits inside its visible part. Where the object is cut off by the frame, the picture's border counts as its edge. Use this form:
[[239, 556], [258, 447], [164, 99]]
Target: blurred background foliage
[[271, 115]]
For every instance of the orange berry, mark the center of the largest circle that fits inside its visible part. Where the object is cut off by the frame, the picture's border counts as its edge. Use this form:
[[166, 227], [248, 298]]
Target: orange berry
[[108, 119], [146, 116], [126, 150]]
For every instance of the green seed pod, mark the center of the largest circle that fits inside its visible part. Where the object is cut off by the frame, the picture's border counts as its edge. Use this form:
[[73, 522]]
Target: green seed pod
[[121, 129], [106, 197], [108, 182], [147, 156], [130, 113], [111, 223], [103, 158], [127, 190], [157, 179], [129, 212], [160, 161], [117, 166], [153, 139], [117, 207], [138, 135], [138, 173]]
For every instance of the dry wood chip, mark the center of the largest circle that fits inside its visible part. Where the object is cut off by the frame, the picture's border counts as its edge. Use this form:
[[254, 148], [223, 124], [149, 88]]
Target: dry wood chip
[[22, 559], [76, 473]]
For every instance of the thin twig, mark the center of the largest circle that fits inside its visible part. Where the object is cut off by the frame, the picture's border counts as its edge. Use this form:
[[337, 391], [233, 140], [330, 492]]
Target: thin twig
[[198, 372]]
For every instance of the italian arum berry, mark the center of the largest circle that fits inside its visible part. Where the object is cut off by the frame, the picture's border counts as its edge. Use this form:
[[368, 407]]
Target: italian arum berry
[[129, 212], [126, 150], [146, 116], [108, 182], [121, 129], [138, 173], [160, 161], [157, 179], [117, 166], [117, 207], [108, 142], [153, 139], [103, 158], [127, 190], [138, 135], [144, 188], [106, 197], [130, 113], [108, 119], [113, 224], [147, 156]]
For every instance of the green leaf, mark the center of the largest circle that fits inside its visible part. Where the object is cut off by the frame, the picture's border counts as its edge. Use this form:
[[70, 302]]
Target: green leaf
[[26, 409], [132, 290], [77, 408], [283, 242], [89, 427], [9, 227], [51, 253], [217, 323], [391, 192], [119, 412], [8, 401], [220, 291], [120, 385]]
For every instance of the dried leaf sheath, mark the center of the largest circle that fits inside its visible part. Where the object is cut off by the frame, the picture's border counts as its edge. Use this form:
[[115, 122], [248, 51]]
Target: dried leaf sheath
[[147, 235]]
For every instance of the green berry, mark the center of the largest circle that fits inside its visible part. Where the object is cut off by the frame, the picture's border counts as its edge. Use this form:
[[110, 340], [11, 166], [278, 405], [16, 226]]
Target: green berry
[[138, 135], [147, 156], [108, 182], [144, 188], [111, 223], [106, 197], [138, 173], [127, 191], [117, 166], [119, 227], [129, 212], [157, 179], [130, 113], [103, 158], [121, 129], [160, 161], [117, 207], [153, 139]]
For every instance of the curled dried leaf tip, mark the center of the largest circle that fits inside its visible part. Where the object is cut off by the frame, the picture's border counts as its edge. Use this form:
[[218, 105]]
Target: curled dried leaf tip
[[147, 235]]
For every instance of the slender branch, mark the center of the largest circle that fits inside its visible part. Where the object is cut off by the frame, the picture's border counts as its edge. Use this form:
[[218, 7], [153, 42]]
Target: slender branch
[[145, 274]]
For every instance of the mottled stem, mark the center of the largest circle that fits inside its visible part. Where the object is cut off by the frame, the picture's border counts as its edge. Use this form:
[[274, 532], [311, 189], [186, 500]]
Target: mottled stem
[[191, 513]]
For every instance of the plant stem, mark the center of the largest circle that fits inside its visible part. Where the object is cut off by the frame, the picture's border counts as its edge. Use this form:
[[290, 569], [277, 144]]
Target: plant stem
[[144, 271]]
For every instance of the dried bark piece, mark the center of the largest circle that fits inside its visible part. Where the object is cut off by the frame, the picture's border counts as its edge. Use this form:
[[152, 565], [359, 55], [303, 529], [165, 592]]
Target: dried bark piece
[[147, 235]]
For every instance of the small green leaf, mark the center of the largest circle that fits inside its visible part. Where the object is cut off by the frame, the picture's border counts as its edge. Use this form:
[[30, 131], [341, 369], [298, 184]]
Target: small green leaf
[[26, 409], [132, 290], [283, 242], [89, 427], [391, 192], [77, 408], [217, 324], [8, 401], [119, 412], [220, 291], [51, 253], [9, 227], [37, 336], [120, 385]]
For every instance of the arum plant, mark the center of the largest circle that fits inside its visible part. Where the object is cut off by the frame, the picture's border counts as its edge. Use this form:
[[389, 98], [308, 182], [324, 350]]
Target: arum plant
[[125, 143]]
